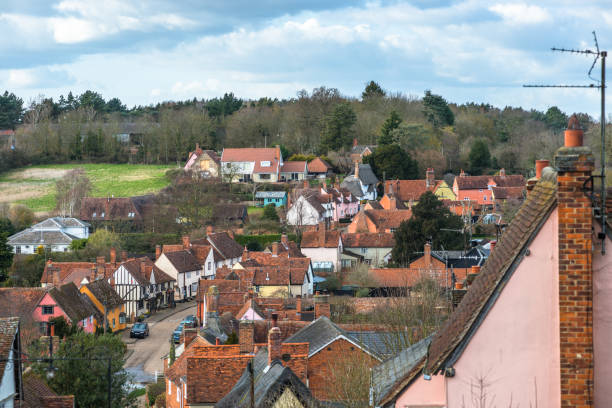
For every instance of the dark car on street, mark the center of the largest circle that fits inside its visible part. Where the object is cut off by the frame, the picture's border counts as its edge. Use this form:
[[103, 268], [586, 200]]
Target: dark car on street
[[176, 334], [190, 321], [140, 329]]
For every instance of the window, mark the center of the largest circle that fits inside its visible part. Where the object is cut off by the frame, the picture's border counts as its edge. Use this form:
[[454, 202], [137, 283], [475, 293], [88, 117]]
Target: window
[[264, 176], [188, 275], [42, 328], [85, 323], [94, 214], [113, 322], [209, 265], [480, 190], [140, 304], [364, 250], [102, 215], [485, 198], [47, 310], [392, 230], [17, 249], [265, 163]]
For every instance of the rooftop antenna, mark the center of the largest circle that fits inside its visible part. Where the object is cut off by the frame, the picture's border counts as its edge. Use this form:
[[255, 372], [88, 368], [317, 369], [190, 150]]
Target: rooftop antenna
[[601, 85]]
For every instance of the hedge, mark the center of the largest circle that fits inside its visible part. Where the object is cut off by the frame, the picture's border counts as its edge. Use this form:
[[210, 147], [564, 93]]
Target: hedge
[[145, 242], [263, 240]]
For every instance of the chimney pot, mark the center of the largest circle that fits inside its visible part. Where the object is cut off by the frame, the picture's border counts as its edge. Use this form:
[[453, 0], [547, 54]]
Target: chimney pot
[[186, 243], [113, 255], [217, 341], [541, 165], [275, 249], [475, 269], [573, 134], [274, 345], [458, 285], [158, 252]]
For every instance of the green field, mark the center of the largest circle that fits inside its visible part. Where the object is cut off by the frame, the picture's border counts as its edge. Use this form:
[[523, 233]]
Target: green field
[[35, 186]]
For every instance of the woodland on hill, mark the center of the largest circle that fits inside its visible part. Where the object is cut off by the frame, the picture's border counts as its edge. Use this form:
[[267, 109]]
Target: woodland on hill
[[433, 132]]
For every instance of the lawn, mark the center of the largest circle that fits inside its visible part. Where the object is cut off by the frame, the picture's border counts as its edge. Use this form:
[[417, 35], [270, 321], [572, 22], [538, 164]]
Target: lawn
[[35, 186]]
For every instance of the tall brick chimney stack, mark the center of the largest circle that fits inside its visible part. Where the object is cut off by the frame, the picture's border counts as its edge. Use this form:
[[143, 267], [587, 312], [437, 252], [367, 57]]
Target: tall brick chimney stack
[[356, 169], [158, 251], [575, 163], [274, 341], [246, 331], [322, 228], [186, 242], [190, 333], [275, 249], [427, 255], [430, 178], [113, 255], [321, 306]]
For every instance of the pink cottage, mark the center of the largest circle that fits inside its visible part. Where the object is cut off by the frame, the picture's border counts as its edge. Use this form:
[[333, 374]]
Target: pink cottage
[[534, 328], [68, 302]]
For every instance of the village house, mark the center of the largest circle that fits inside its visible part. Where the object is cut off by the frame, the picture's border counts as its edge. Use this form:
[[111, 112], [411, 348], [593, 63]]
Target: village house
[[373, 248], [378, 221], [548, 277], [226, 251], [54, 234], [118, 213], [10, 372], [480, 188], [277, 198], [108, 302], [362, 184], [324, 248], [319, 168], [143, 286], [358, 152], [410, 191], [294, 171], [183, 267], [66, 301], [284, 248], [259, 165], [310, 208], [22, 302], [203, 163]]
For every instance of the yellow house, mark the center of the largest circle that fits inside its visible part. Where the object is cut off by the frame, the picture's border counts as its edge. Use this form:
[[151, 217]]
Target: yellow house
[[409, 191], [444, 192], [107, 302]]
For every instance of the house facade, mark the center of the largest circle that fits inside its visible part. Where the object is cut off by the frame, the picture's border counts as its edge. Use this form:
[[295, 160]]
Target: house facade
[[277, 198], [294, 171], [203, 163], [362, 183], [108, 302], [410, 191], [55, 234], [66, 301], [319, 168], [374, 249], [184, 268], [259, 165], [324, 248], [378, 221], [480, 188], [309, 209]]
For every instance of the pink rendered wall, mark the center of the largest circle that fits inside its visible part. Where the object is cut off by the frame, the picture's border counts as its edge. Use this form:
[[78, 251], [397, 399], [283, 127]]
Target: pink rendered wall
[[47, 300], [602, 322], [517, 345], [424, 393]]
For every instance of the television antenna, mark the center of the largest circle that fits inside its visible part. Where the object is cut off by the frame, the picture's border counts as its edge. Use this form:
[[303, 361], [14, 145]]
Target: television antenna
[[601, 85]]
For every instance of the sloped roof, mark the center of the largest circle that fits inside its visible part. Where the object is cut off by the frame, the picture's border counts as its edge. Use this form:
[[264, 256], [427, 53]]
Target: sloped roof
[[504, 193], [386, 375], [19, 301], [72, 302], [408, 277], [407, 190], [103, 291], [41, 237], [226, 245], [143, 277], [368, 240], [255, 155], [34, 391], [318, 165], [270, 194], [312, 239], [482, 182], [270, 382], [179, 367], [499, 267], [114, 208], [8, 330], [359, 149], [65, 269], [294, 167], [183, 261], [229, 212], [387, 219]]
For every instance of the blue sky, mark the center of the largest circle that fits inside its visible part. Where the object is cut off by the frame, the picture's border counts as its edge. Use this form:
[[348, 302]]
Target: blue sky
[[146, 51]]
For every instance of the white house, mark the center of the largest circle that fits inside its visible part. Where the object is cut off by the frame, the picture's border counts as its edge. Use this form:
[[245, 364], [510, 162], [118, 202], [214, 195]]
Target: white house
[[184, 267], [142, 285], [260, 165], [324, 248], [363, 183], [55, 234]]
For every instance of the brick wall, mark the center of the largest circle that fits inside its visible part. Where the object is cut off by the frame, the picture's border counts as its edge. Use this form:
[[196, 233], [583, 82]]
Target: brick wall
[[58, 401], [575, 165], [320, 366], [210, 379]]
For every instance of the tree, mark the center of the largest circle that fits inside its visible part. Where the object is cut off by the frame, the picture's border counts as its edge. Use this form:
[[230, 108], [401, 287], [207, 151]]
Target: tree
[[436, 110], [93, 100], [100, 242], [337, 130], [6, 256], [431, 221], [70, 190], [11, 110], [87, 379], [480, 157], [115, 105], [372, 89], [21, 216], [392, 162], [269, 213], [392, 123], [225, 106], [555, 119]]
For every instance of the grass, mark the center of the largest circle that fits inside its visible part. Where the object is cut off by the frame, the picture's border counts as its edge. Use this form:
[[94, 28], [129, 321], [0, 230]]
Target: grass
[[257, 211], [120, 180]]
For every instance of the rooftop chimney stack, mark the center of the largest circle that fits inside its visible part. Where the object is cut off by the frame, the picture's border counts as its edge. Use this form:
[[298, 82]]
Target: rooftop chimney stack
[[190, 334], [113, 255], [186, 242], [322, 227], [275, 249], [541, 165], [356, 169], [246, 331], [274, 341], [430, 179], [321, 306], [575, 164], [502, 172], [245, 254], [285, 240], [158, 252], [427, 254]]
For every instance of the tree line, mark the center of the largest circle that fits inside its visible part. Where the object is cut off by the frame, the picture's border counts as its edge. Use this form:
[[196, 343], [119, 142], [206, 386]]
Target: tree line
[[430, 130]]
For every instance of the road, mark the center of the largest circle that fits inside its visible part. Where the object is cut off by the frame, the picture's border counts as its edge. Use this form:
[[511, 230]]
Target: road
[[146, 354]]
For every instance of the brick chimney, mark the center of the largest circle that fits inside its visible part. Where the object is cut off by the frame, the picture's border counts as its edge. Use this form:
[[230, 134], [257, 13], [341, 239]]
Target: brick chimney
[[210, 229], [245, 254], [275, 249], [574, 164], [322, 228], [285, 240], [321, 306], [212, 299], [190, 333], [502, 172], [306, 184], [274, 341], [186, 243], [277, 153], [246, 333], [158, 252], [427, 255], [356, 169], [462, 174], [355, 142], [124, 255], [100, 267], [298, 304], [430, 178], [56, 275], [113, 255], [92, 274]]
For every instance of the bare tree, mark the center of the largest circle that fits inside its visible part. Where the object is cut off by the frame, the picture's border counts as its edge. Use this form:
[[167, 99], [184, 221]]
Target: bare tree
[[349, 380], [70, 190]]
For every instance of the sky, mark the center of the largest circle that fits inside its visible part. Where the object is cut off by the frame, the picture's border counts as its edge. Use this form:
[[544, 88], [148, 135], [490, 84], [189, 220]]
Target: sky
[[148, 51]]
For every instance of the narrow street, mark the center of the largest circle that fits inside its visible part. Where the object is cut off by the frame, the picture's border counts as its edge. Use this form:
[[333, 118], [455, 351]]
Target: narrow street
[[145, 355]]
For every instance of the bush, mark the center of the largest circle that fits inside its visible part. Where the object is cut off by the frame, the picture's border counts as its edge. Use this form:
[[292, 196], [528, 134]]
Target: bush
[[254, 246], [363, 292], [77, 244], [270, 213], [264, 240], [160, 401], [155, 389], [145, 242]]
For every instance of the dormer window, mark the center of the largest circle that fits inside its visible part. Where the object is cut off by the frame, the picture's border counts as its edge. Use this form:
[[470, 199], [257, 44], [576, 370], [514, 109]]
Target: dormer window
[[102, 215], [265, 163], [131, 215]]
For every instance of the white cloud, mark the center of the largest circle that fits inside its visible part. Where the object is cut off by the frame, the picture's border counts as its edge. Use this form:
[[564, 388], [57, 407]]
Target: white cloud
[[521, 13], [20, 78]]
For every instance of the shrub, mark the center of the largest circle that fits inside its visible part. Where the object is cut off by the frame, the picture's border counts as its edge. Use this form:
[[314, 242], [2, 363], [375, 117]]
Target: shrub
[[363, 292], [160, 401], [155, 389], [270, 213]]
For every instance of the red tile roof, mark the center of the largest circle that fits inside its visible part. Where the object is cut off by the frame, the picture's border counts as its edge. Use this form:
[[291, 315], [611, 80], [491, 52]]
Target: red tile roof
[[410, 190], [256, 155], [318, 165], [8, 330], [482, 182], [408, 277], [368, 240], [317, 239], [179, 367], [293, 167], [504, 193], [387, 219]]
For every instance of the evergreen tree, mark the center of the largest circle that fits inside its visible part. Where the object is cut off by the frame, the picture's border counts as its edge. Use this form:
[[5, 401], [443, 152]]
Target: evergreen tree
[[6, 255], [480, 157], [430, 222], [338, 125], [393, 162], [372, 89], [11, 110], [436, 110], [269, 213], [392, 123]]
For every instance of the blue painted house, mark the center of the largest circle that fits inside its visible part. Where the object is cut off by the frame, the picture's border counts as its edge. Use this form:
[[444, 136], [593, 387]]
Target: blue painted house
[[278, 198]]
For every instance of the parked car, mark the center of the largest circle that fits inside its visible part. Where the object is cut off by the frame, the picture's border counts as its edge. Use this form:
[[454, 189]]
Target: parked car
[[190, 321], [140, 329], [176, 334]]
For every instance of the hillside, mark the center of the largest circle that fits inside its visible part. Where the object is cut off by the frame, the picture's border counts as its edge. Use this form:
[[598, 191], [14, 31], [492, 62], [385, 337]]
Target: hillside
[[34, 186]]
